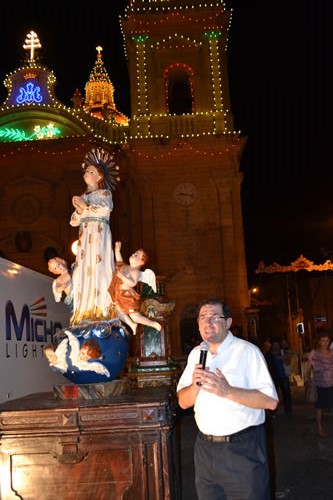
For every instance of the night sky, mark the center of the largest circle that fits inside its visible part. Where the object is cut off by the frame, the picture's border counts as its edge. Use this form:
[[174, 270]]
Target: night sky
[[280, 70]]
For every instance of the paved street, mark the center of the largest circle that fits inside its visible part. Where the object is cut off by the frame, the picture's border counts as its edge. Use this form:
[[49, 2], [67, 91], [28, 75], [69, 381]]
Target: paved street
[[301, 462]]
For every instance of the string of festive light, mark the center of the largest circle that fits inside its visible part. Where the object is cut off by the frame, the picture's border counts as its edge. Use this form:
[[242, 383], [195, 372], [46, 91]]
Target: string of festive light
[[143, 24], [181, 144], [179, 15], [37, 149], [135, 151]]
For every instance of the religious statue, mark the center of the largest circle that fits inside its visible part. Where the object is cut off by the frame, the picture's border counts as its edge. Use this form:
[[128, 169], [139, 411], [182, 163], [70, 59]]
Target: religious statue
[[99, 292]]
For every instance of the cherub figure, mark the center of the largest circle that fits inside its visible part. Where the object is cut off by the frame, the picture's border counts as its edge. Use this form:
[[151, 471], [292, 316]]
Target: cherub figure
[[56, 356], [125, 298], [62, 284], [84, 357], [69, 355]]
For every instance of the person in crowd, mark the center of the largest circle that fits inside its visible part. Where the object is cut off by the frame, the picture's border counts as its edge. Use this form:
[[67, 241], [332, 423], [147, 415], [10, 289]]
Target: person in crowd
[[278, 362], [94, 262], [63, 284], [266, 345], [230, 396], [320, 366], [286, 357], [126, 299]]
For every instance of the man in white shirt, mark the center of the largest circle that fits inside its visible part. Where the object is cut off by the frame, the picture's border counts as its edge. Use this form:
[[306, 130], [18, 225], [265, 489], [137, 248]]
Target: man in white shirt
[[230, 397]]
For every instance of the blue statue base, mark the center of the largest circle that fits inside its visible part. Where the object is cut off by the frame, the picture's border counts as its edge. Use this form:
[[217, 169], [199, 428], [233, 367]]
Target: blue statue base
[[92, 352]]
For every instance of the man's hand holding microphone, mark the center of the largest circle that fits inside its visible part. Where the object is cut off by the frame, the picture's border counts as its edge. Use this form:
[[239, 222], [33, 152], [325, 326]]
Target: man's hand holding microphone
[[204, 348]]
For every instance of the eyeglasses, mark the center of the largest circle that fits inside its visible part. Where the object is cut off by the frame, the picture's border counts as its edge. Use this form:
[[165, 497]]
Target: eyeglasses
[[210, 319]]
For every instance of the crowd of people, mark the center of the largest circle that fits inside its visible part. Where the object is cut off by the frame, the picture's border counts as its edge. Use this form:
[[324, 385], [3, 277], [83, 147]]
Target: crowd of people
[[318, 372], [279, 365]]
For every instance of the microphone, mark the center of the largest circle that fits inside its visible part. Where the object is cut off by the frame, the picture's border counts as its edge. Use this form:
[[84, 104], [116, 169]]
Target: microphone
[[204, 347]]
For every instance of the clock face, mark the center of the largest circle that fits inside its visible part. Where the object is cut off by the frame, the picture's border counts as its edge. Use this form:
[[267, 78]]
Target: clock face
[[185, 194]]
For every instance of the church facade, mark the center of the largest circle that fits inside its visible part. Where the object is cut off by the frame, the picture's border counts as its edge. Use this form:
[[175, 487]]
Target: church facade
[[179, 195]]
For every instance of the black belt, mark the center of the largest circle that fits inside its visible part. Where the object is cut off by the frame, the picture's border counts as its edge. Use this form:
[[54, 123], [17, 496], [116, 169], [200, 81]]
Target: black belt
[[226, 439]]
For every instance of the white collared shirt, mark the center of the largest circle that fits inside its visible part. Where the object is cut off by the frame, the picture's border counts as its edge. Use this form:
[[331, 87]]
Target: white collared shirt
[[244, 366]]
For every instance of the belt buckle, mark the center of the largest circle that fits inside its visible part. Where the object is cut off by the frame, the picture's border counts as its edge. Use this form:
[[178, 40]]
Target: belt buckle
[[216, 439], [226, 439]]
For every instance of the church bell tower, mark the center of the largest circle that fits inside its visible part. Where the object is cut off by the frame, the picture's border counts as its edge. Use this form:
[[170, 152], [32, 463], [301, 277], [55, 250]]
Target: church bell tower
[[185, 156]]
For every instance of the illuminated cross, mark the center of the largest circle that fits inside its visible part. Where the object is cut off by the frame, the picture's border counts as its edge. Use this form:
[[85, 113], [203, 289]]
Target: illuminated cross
[[32, 43], [99, 49]]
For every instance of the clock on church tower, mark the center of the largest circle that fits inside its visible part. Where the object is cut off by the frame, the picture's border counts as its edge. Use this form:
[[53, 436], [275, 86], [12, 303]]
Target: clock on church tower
[[185, 199], [185, 194]]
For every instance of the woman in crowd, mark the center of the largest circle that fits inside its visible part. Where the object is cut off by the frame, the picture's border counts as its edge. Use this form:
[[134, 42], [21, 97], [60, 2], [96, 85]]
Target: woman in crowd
[[320, 365]]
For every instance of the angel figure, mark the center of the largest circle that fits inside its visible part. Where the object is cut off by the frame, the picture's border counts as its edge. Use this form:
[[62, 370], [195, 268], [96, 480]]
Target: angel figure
[[62, 284], [125, 298], [57, 356], [84, 356]]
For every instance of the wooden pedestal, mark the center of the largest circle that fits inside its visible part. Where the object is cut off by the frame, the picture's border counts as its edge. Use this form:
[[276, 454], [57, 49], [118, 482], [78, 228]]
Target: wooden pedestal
[[123, 447], [91, 391]]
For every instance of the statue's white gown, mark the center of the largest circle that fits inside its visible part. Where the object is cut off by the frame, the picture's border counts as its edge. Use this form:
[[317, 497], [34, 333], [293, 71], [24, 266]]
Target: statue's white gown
[[94, 260]]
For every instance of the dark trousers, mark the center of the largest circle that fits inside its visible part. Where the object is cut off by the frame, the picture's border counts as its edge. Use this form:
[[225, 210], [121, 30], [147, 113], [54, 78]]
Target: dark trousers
[[233, 471]]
